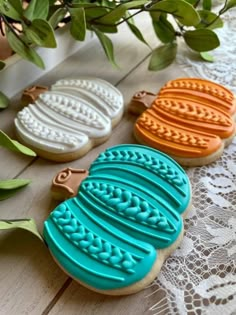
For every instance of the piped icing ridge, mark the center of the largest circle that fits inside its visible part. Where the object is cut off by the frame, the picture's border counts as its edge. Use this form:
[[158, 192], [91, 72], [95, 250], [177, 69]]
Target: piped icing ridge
[[128, 204], [107, 98], [207, 89], [76, 109], [78, 116], [134, 157], [91, 243], [108, 235], [189, 118], [46, 134]]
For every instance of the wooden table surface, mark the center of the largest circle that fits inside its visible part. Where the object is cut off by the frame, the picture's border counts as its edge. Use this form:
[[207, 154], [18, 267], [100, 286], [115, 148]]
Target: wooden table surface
[[30, 281]]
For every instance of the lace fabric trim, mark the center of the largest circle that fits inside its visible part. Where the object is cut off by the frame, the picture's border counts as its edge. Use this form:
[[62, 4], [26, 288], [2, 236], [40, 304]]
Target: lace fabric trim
[[200, 277]]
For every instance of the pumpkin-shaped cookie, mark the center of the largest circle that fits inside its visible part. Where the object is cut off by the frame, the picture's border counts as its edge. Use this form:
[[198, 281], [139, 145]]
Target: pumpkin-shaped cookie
[[125, 219], [65, 123], [190, 119]]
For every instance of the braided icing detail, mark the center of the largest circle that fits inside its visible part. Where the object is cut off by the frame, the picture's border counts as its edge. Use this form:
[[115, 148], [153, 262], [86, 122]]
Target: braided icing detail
[[91, 243], [172, 135], [110, 98], [159, 167], [191, 111], [204, 87], [129, 205], [43, 131], [72, 109]]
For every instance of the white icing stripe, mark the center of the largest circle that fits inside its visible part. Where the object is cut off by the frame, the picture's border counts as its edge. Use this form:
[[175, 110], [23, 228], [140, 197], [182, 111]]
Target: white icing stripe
[[106, 97], [76, 113], [47, 136], [65, 119]]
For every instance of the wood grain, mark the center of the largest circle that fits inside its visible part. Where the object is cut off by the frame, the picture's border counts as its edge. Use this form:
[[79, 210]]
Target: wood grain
[[79, 300]]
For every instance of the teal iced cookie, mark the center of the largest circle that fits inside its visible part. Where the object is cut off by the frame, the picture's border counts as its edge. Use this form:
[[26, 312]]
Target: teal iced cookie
[[125, 219]]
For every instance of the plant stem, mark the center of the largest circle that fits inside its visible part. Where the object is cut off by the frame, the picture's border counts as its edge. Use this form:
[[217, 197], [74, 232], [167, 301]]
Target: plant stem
[[11, 28], [1, 26]]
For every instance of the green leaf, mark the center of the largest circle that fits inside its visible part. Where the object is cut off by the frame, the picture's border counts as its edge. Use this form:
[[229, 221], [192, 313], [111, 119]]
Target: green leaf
[[192, 2], [116, 14], [78, 23], [11, 186], [162, 57], [107, 28], [92, 14], [229, 5], [4, 101], [2, 65], [155, 15], [14, 145], [137, 32], [209, 20], [92, 10], [57, 16], [37, 9], [108, 3], [180, 9], [12, 9], [164, 29], [41, 33], [25, 224], [206, 56], [206, 4], [23, 50], [107, 46], [201, 40]]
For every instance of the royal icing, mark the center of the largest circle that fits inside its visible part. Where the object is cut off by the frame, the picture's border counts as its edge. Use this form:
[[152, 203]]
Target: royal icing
[[65, 185], [189, 118], [64, 120], [102, 94], [127, 208]]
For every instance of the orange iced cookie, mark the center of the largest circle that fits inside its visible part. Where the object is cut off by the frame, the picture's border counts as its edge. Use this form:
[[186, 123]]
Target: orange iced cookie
[[190, 119]]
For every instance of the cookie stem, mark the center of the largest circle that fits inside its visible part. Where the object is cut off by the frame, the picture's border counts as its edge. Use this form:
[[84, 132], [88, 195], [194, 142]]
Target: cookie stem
[[141, 101]]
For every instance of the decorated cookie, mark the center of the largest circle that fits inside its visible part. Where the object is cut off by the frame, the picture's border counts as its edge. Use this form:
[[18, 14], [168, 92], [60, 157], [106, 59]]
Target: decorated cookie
[[190, 119], [66, 122], [116, 230]]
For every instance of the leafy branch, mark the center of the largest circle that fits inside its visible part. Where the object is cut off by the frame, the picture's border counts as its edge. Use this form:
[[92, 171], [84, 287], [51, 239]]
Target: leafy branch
[[36, 21]]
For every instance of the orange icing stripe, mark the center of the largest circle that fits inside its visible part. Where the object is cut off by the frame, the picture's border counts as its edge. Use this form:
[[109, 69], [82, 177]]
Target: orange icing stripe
[[189, 118], [171, 139], [192, 115], [201, 88]]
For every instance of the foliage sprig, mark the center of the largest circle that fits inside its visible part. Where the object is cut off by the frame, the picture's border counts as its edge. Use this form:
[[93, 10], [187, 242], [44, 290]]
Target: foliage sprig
[[33, 22]]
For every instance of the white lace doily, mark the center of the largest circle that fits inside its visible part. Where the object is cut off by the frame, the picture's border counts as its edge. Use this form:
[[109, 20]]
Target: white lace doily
[[200, 277]]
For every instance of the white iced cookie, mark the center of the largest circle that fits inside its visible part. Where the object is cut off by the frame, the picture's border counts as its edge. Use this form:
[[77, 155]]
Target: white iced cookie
[[65, 123]]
